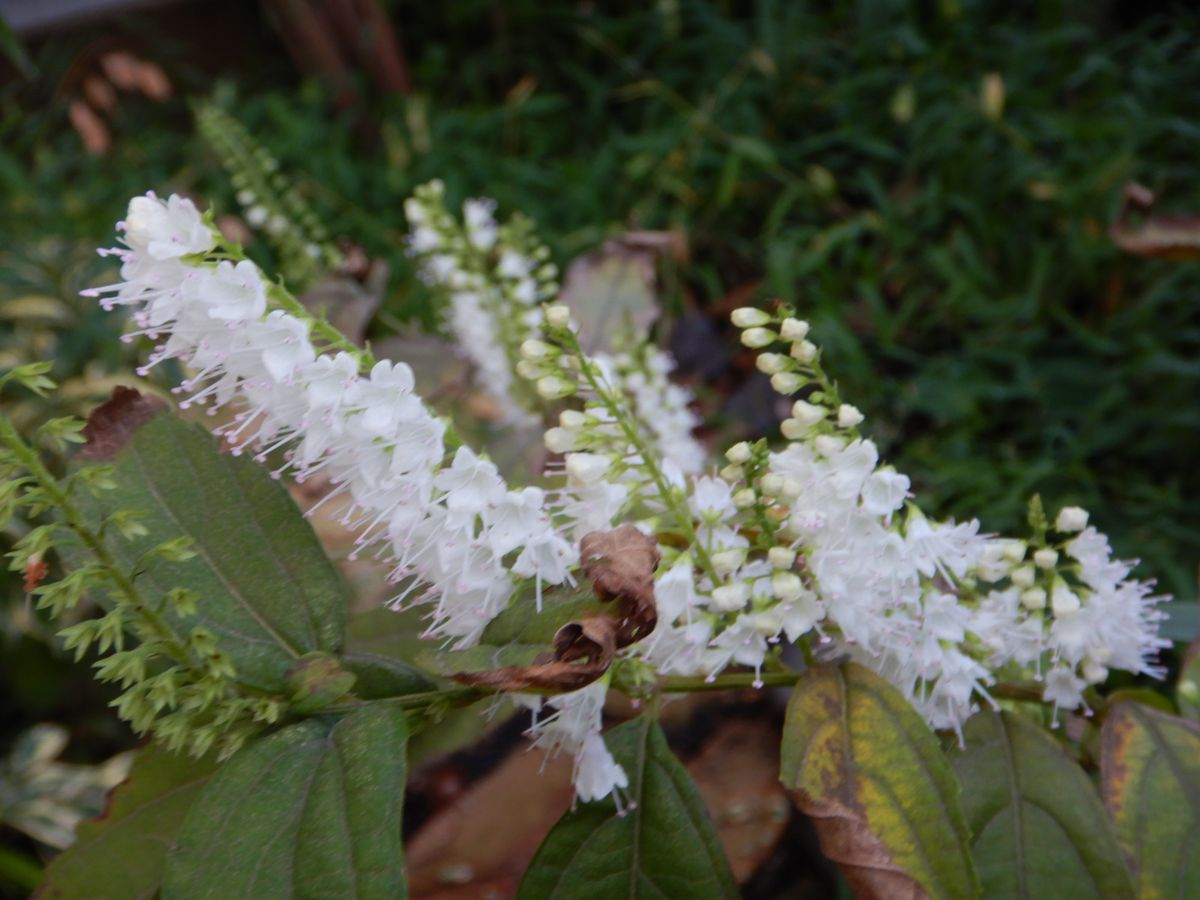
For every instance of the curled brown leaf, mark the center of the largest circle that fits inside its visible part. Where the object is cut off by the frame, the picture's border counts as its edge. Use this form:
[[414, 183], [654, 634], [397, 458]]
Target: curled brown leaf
[[111, 424], [620, 564]]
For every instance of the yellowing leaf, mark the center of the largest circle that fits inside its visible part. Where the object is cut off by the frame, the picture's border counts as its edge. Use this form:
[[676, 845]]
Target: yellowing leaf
[[864, 766]]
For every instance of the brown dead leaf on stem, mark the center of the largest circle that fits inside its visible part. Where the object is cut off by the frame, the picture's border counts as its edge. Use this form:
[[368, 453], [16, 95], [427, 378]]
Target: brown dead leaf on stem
[[620, 564], [583, 652], [1162, 237], [111, 424]]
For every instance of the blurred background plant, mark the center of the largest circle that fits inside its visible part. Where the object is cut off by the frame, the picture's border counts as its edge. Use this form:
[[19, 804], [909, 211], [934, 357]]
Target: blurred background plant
[[934, 184]]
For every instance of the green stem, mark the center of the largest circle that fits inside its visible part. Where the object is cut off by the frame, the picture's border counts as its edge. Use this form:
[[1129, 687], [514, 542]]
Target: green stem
[[75, 521], [670, 498]]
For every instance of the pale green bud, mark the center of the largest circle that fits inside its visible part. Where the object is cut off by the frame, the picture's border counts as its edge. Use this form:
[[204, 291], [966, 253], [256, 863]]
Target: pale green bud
[[804, 351], [749, 317], [787, 382], [1045, 558], [781, 557], [793, 329], [756, 338], [1034, 598], [739, 452]]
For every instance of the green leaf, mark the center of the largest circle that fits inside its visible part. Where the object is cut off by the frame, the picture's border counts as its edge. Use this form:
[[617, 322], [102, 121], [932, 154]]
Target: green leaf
[[1039, 827], [266, 588], [312, 810], [865, 767], [1150, 780], [12, 47], [122, 853], [1187, 689], [662, 845]]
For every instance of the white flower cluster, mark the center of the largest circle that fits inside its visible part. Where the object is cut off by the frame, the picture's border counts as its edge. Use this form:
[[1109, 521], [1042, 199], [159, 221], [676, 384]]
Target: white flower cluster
[[816, 544], [455, 529], [494, 279], [936, 607], [821, 538]]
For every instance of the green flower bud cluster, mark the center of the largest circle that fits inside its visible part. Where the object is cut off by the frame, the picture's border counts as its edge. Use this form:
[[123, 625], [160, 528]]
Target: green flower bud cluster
[[176, 683], [269, 201]]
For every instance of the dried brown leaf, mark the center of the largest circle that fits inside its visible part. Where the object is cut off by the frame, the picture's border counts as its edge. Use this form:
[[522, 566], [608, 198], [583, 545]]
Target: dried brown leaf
[[112, 423], [621, 564], [583, 651], [1162, 237]]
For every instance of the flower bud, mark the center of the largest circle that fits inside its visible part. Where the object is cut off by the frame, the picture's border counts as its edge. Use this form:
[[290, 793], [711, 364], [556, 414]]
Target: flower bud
[[793, 329], [1034, 598], [745, 498], [560, 440], [770, 363], [793, 429], [804, 351], [771, 484], [1071, 519], [787, 586], [808, 413], [749, 317], [739, 452], [727, 561], [828, 444], [787, 382], [730, 597], [587, 468], [1024, 576], [557, 315], [781, 557], [791, 489], [1014, 550], [1045, 558], [848, 416], [529, 369], [536, 350], [572, 418], [551, 387], [755, 338], [733, 473]]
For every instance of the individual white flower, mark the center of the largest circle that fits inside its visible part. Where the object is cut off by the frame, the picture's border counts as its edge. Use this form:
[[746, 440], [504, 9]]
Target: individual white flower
[[166, 230], [597, 774], [884, 491], [1064, 689]]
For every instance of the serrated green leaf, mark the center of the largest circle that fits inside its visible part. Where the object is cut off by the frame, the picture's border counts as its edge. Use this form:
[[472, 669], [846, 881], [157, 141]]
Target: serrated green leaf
[[1038, 827], [311, 810], [266, 588], [122, 853], [662, 845], [864, 765], [1150, 781]]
